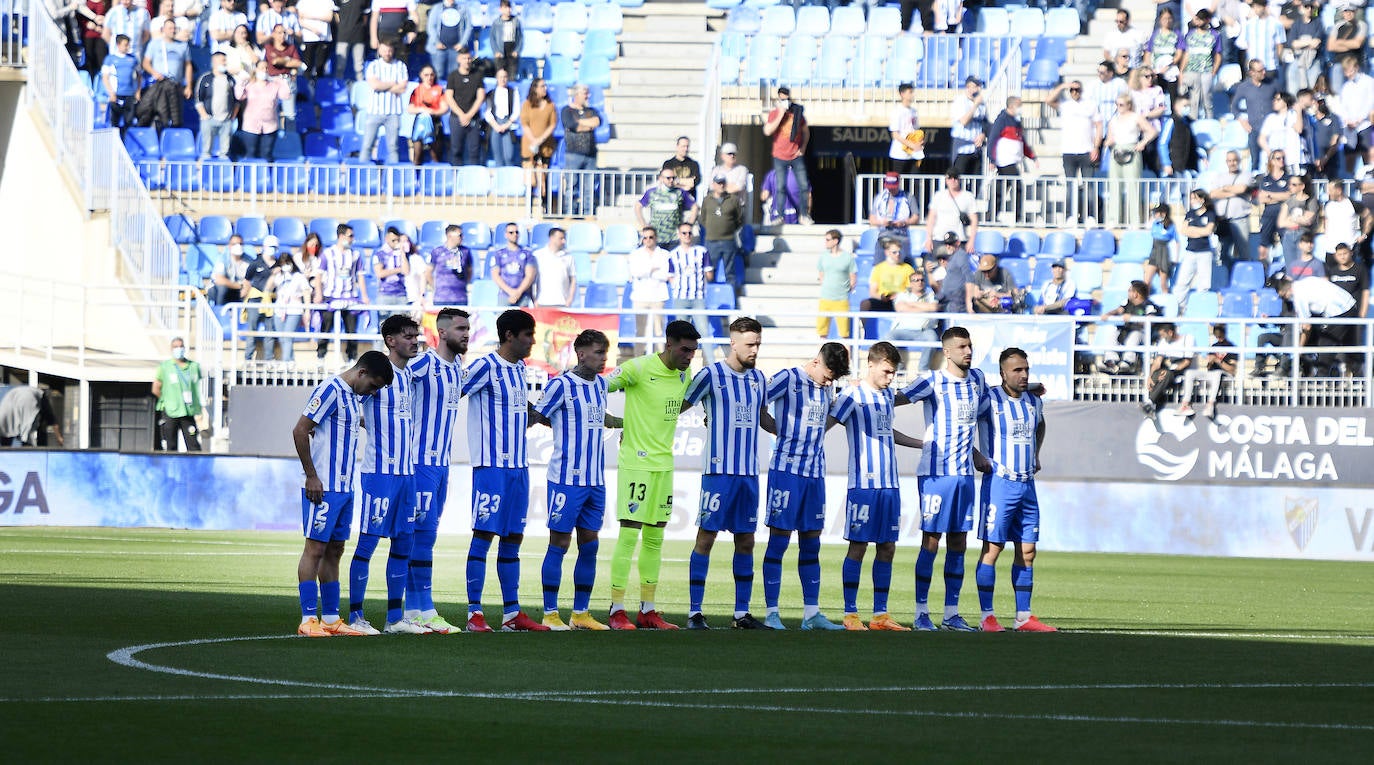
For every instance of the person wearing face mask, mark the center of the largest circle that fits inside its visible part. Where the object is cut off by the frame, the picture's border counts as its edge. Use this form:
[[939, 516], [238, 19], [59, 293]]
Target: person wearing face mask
[[789, 133], [1195, 270], [261, 277], [1176, 144], [176, 386], [294, 291], [262, 96], [218, 106], [229, 285]]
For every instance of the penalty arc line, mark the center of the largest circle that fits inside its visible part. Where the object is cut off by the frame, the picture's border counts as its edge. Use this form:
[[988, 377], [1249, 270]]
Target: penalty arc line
[[126, 657]]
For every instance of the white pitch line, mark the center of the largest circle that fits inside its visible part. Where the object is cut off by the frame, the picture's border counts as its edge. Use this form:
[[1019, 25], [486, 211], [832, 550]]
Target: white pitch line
[[1221, 634], [225, 697], [159, 540], [145, 553]]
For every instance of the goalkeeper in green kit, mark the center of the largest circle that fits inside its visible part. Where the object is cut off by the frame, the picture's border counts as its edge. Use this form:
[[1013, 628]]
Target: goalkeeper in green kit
[[654, 386]]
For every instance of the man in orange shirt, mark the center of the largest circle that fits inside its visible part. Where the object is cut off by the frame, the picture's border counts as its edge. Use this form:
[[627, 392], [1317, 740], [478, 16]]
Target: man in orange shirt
[[786, 125]]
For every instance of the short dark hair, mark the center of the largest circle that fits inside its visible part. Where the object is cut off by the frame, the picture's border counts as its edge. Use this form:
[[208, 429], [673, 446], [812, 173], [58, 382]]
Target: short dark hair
[[447, 315], [954, 332], [1011, 352], [904, 87], [591, 338], [450, 228], [835, 357], [341, 229], [884, 351], [377, 366], [1163, 325], [681, 330], [1278, 282], [952, 173], [746, 324], [393, 231], [125, 38], [557, 230], [513, 322], [397, 323]]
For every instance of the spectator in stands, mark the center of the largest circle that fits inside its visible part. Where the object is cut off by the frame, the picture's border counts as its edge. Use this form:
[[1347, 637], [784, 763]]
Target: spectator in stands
[[308, 262], [1057, 292], [886, 280], [1344, 272], [736, 175], [1303, 262], [448, 28], [786, 125], [1273, 190], [244, 54], [1298, 214], [1164, 240], [892, 214], [1262, 37], [1256, 94], [393, 20], [649, 274], [1348, 35], [1195, 268], [1178, 150], [168, 61], [90, 15], [277, 14], [689, 271], [769, 193], [341, 288], [1201, 62], [667, 205], [317, 17], [1282, 131], [946, 15], [993, 289], [538, 118], [557, 284], [1151, 103], [513, 269], [1103, 92], [123, 82], [293, 293], [506, 38], [176, 386], [428, 104], [1008, 145], [222, 23], [26, 410], [1173, 355], [722, 216], [350, 38], [1128, 133], [968, 129], [283, 64], [908, 147], [217, 103], [1232, 200], [1164, 50], [449, 270], [132, 21], [166, 11], [261, 278], [227, 285], [913, 324], [387, 79], [1326, 145], [502, 118], [464, 95], [954, 213], [1305, 42], [838, 274], [64, 15], [1218, 363], [1354, 106], [1080, 128], [580, 121], [1126, 37], [1316, 298], [685, 169], [391, 266], [262, 96], [1131, 332]]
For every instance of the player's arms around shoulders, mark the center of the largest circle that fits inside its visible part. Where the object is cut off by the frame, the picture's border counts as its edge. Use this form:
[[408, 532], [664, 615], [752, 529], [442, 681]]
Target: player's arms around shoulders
[[767, 422], [613, 421], [981, 463], [902, 439], [535, 418]]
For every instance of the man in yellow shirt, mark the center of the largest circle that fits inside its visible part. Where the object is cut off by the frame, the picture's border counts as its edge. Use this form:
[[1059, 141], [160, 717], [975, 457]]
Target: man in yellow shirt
[[887, 279]]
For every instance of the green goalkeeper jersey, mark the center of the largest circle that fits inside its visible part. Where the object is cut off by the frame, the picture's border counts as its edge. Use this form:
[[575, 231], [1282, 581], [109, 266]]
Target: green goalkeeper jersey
[[653, 398]]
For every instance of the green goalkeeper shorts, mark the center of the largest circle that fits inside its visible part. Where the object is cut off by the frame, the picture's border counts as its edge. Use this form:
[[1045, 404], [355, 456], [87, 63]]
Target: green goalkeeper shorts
[[645, 496]]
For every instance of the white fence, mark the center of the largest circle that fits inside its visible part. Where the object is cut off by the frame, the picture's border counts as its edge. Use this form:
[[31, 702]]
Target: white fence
[[57, 91], [14, 32]]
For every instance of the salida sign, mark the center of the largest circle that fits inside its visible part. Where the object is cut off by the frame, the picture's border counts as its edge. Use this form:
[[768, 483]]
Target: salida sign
[[1260, 447], [27, 495]]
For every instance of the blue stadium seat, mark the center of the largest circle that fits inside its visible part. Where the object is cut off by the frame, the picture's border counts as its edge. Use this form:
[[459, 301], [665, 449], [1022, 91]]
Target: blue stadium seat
[[431, 235], [1238, 305], [799, 61], [252, 228], [570, 16], [743, 20], [1062, 23], [322, 146], [325, 178], [534, 44], [565, 42], [719, 297], [331, 92], [288, 147], [1167, 302], [178, 145], [582, 266], [730, 67], [989, 242], [337, 120], [289, 231], [254, 175], [1028, 22], [1054, 49], [1247, 275], [326, 229], [538, 16], [1124, 273], [1018, 268], [762, 68], [1135, 247], [584, 237], [476, 235], [833, 67], [214, 229], [1203, 305], [813, 20], [183, 231], [764, 46], [200, 260], [1058, 244], [482, 294], [848, 20], [778, 20], [885, 21], [937, 71], [402, 225], [473, 180], [561, 70], [1098, 245], [595, 70], [601, 43], [438, 180], [1269, 303], [539, 235], [620, 239], [869, 65], [1086, 276], [602, 295], [401, 180], [510, 182], [142, 143], [1023, 244], [1233, 136], [734, 43], [366, 234], [1207, 133], [292, 178], [1042, 73], [864, 249], [606, 18], [1043, 273], [364, 178], [612, 269], [994, 21], [218, 175]]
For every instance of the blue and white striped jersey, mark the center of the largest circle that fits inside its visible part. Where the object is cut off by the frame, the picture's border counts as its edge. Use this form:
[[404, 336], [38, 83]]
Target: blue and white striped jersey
[[1008, 433], [687, 267], [576, 408], [800, 409], [382, 102], [866, 414], [387, 418], [732, 401], [434, 397], [952, 407], [336, 412], [339, 267], [498, 412]]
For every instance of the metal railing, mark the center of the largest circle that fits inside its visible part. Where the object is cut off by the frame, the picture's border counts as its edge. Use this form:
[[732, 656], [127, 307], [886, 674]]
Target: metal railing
[[14, 32], [150, 257], [56, 90]]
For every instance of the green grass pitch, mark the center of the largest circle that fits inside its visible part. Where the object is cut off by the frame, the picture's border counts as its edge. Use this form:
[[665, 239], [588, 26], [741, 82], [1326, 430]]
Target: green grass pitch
[[1161, 659]]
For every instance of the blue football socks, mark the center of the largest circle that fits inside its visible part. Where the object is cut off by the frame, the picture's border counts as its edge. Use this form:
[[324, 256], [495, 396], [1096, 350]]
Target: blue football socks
[[986, 576], [925, 569], [1022, 581], [508, 573], [477, 572], [849, 577], [809, 569], [358, 573], [309, 594], [697, 567], [397, 571], [584, 575], [882, 582], [772, 569], [551, 574]]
